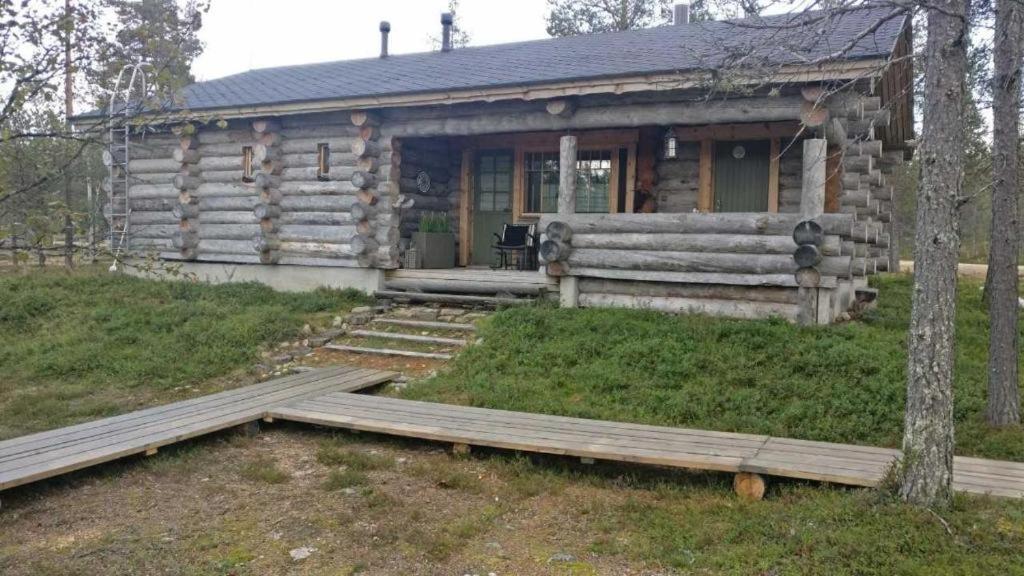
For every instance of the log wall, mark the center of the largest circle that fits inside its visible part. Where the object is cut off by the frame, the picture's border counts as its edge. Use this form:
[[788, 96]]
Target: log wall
[[738, 265], [441, 162]]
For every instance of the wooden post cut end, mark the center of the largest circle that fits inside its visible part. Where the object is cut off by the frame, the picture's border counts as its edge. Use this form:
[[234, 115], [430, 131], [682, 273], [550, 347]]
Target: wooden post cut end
[[749, 486], [460, 449]]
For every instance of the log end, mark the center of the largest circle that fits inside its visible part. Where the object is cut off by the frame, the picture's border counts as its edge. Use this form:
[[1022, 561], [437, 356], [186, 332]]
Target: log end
[[749, 486]]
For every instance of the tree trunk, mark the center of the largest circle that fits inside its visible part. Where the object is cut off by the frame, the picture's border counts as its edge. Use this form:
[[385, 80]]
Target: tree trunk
[[1001, 283], [928, 422], [69, 228]]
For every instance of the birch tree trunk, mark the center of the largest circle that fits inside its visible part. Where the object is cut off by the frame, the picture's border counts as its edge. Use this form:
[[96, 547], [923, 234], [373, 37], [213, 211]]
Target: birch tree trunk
[[928, 421], [1001, 284]]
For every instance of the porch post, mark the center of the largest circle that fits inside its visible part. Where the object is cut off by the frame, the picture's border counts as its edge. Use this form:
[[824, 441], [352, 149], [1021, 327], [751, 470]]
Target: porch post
[[812, 196], [815, 302], [568, 286]]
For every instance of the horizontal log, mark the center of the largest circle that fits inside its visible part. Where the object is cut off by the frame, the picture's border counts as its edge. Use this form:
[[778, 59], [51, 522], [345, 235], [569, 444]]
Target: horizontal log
[[227, 231], [318, 249], [228, 217], [305, 233], [223, 190], [698, 223], [317, 218], [317, 187], [226, 246], [154, 191], [223, 176], [782, 295], [730, 279], [735, 243], [339, 203], [700, 262], [312, 174], [165, 164], [710, 307], [700, 111]]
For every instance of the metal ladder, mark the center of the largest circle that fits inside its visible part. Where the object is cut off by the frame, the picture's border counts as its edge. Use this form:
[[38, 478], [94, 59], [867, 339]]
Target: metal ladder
[[125, 99]]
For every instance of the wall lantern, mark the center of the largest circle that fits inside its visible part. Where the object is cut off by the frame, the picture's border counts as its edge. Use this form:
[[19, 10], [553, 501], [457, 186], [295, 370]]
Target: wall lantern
[[671, 144]]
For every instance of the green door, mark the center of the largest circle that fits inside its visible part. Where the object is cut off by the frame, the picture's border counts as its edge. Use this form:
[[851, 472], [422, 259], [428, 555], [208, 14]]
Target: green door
[[492, 201], [741, 176]]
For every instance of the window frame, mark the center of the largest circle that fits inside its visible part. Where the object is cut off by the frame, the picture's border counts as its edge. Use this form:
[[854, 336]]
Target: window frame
[[611, 148], [323, 161], [247, 157]]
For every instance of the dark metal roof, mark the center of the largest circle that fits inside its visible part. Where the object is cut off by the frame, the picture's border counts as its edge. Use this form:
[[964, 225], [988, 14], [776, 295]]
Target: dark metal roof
[[753, 42]]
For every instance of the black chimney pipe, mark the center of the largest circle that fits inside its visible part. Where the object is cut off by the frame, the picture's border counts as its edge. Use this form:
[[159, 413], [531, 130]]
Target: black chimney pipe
[[385, 28], [446, 32]]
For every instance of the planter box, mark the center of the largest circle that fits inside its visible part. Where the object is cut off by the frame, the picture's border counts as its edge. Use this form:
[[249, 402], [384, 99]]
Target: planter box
[[436, 249]]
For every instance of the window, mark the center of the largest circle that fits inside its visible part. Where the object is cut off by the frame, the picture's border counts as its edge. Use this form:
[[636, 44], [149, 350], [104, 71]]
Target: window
[[494, 182], [323, 161], [541, 182], [246, 163], [593, 181]]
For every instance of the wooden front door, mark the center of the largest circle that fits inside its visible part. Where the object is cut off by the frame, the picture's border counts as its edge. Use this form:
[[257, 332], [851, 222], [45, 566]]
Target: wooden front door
[[741, 176], [492, 201]]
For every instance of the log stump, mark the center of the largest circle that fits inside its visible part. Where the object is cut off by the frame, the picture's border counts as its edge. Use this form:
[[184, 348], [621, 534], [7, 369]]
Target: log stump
[[749, 486]]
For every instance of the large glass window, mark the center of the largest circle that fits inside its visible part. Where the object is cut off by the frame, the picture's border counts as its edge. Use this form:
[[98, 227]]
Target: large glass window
[[593, 178]]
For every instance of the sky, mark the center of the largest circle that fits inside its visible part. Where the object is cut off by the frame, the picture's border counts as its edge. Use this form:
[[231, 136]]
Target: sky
[[242, 35]]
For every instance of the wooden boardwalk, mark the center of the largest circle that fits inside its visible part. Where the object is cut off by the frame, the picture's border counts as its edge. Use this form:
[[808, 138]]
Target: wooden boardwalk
[[324, 397], [46, 454], [617, 441]]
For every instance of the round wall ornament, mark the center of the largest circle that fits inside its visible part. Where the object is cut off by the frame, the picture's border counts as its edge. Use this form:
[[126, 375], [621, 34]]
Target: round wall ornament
[[738, 152], [423, 182]]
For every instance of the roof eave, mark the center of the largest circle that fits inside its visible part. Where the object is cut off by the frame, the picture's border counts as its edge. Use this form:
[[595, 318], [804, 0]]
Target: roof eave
[[656, 82]]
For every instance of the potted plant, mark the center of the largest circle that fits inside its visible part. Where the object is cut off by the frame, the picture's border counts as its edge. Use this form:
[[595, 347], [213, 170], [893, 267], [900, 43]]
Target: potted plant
[[435, 241]]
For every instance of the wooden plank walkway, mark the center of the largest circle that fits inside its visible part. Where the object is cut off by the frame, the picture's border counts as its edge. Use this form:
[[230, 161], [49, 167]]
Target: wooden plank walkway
[[46, 454], [618, 441]]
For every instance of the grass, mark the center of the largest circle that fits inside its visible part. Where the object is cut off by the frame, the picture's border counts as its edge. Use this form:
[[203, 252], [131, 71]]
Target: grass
[[347, 478], [264, 470], [75, 347], [841, 383]]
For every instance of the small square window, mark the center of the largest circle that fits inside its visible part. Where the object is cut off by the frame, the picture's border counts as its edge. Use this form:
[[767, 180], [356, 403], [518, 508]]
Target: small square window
[[247, 164], [323, 161]]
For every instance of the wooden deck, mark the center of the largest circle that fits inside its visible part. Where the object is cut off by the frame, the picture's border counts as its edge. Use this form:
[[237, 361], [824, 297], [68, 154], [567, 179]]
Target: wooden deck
[[46, 454], [617, 441]]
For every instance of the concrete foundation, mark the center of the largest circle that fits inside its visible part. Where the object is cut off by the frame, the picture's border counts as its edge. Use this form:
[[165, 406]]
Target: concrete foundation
[[280, 277]]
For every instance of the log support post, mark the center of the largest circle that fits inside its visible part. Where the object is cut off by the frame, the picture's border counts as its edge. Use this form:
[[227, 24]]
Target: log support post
[[568, 286], [266, 169], [188, 205], [460, 450], [812, 205]]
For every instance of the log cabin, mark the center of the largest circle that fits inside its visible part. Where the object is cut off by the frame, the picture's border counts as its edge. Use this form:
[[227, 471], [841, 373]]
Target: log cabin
[[737, 168]]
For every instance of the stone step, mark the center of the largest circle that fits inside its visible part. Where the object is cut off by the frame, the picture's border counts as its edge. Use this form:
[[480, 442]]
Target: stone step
[[389, 352], [426, 325], [452, 298], [408, 337]]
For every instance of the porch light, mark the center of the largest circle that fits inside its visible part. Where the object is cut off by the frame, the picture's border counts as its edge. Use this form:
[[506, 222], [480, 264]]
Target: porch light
[[670, 144]]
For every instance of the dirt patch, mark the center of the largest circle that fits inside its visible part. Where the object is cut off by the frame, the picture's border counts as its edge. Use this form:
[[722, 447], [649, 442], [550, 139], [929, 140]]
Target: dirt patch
[[241, 506]]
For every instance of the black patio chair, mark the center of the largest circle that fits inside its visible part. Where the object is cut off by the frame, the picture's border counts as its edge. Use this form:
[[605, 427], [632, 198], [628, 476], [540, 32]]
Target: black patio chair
[[516, 246]]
